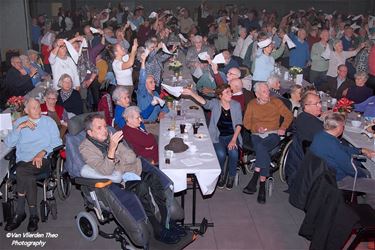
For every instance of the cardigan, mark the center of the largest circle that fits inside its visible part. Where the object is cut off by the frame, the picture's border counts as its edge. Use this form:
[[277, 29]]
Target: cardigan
[[73, 104], [215, 107]]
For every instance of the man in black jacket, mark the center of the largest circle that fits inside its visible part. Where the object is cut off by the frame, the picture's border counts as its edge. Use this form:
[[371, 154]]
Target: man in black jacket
[[18, 81], [338, 86], [306, 126]]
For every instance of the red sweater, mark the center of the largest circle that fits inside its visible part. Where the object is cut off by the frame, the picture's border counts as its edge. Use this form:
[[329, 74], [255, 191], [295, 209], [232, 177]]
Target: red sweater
[[143, 143], [371, 61], [59, 110]]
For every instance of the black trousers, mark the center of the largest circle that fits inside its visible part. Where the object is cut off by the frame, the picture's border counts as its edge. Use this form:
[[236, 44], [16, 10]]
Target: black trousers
[[142, 189], [26, 174]]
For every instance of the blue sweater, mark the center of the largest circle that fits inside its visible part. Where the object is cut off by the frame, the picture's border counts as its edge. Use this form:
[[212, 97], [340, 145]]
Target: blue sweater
[[337, 155], [120, 121], [300, 55], [45, 136], [368, 107]]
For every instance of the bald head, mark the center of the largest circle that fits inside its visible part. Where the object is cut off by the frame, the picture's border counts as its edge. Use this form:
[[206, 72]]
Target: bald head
[[233, 73], [236, 85], [32, 108]]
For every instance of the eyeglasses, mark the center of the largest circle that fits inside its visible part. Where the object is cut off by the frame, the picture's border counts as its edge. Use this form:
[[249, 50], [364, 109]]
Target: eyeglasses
[[314, 104]]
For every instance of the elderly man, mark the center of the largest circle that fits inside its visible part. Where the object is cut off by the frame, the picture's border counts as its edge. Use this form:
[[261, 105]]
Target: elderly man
[[338, 86], [262, 118], [143, 143], [145, 95], [319, 65], [197, 68], [328, 147], [61, 64], [122, 65], [104, 152], [18, 81], [34, 136], [306, 125]]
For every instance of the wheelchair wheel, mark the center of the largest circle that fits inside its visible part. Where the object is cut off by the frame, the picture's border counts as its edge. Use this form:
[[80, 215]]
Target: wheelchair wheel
[[269, 186], [283, 159], [87, 226], [64, 184]]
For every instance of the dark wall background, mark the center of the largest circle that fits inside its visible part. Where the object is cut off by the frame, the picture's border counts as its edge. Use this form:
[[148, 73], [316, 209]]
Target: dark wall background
[[282, 6]]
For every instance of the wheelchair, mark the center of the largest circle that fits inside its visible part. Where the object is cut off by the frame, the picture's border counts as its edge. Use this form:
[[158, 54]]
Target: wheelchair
[[106, 201], [278, 158], [51, 180]]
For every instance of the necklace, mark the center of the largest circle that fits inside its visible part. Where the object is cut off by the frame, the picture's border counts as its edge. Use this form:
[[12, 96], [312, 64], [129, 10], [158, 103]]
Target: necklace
[[225, 112]]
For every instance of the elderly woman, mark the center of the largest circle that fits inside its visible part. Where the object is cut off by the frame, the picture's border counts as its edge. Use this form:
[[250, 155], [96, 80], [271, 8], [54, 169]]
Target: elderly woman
[[31, 70], [295, 98], [68, 97], [224, 128], [275, 87], [338, 56], [55, 111], [143, 143], [36, 62], [262, 118], [197, 68], [359, 93], [121, 98]]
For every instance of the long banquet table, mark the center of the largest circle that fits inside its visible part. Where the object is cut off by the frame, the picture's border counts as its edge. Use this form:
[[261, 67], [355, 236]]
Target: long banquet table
[[207, 169]]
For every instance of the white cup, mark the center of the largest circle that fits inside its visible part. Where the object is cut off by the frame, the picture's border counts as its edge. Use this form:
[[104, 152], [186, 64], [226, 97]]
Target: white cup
[[193, 148]]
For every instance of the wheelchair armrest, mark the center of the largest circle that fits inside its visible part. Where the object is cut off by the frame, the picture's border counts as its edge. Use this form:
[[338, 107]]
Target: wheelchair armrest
[[94, 183], [55, 151], [11, 155]]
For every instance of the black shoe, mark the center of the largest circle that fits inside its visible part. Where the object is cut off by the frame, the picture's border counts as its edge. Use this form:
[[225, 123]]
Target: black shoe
[[15, 223], [230, 182], [262, 193], [33, 223], [222, 181], [168, 237], [251, 187], [178, 230]]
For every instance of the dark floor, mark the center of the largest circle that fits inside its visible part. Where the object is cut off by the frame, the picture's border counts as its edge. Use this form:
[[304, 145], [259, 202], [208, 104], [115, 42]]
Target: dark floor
[[240, 223]]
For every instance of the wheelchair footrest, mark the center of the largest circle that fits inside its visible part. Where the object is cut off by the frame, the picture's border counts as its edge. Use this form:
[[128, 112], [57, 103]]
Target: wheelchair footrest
[[94, 183]]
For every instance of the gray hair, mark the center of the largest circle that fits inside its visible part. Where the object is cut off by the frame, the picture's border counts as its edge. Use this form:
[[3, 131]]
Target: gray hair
[[149, 42], [333, 120], [51, 91], [62, 78], [335, 42], [198, 38], [130, 111], [272, 79], [28, 100], [361, 74], [90, 118], [24, 58], [294, 88], [118, 92], [258, 84]]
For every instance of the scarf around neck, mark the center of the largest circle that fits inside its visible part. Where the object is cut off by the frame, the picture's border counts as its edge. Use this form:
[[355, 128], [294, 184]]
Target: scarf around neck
[[65, 95], [102, 146]]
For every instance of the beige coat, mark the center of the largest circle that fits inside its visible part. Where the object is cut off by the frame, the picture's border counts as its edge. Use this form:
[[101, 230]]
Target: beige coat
[[125, 159]]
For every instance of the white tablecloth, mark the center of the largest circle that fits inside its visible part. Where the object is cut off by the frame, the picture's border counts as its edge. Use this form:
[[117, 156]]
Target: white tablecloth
[[208, 171], [361, 141]]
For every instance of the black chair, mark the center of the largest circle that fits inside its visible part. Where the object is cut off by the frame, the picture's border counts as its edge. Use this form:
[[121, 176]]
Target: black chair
[[365, 229]]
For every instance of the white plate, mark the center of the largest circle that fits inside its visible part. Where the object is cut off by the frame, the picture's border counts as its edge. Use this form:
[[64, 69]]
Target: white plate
[[206, 157]]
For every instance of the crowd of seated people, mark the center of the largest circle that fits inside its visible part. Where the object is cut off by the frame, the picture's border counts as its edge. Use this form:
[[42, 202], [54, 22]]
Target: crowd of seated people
[[127, 60]]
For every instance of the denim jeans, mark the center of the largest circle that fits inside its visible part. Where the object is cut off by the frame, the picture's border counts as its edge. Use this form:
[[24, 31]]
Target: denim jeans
[[263, 148], [221, 149]]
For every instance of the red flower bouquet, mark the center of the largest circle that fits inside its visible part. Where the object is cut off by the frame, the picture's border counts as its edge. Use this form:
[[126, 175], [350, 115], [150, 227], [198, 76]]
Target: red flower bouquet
[[343, 105], [16, 103]]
